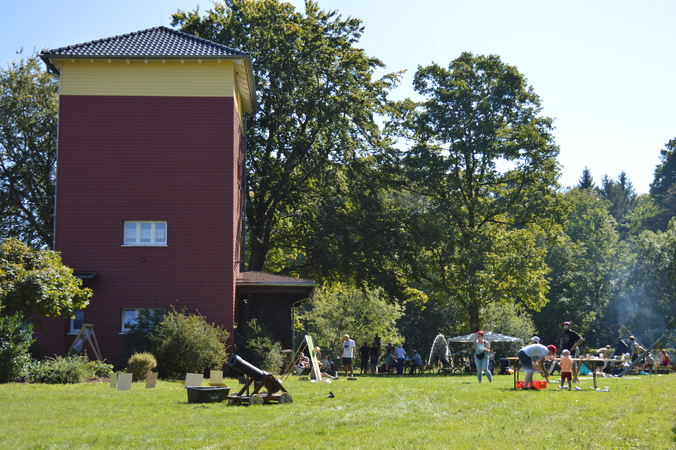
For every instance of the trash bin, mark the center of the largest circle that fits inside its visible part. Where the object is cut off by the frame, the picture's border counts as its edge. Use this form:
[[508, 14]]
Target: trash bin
[[207, 394]]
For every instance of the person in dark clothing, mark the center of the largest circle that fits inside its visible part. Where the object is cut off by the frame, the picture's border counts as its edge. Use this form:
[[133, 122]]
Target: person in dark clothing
[[365, 352], [570, 340], [375, 356]]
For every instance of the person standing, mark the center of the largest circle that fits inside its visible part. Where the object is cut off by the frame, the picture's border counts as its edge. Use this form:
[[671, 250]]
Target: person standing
[[481, 350], [376, 340], [375, 354], [566, 368], [401, 359], [570, 340], [348, 355], [532, 358], [364, 352], [636, 350]]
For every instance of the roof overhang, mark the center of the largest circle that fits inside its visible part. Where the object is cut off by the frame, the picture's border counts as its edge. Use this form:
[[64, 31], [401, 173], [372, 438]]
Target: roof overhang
[[252, 284], [243, 69]]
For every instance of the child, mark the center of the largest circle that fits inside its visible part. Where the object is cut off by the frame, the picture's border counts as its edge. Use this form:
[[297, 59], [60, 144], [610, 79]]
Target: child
[[566, 368]]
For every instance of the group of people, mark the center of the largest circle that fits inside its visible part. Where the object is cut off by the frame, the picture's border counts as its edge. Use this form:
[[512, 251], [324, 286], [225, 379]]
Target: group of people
[[394, 357], [532, 357]]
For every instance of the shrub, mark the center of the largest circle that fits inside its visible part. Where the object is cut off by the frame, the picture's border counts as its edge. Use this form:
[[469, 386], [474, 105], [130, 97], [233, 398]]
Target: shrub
[[15, 340], [257, 346], [68, 369], [140, 365], [187, 343], [100, 369]]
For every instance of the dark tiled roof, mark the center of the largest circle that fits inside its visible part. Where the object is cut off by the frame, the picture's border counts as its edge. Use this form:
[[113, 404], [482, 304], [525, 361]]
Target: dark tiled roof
[[260, 278], [153, 42]]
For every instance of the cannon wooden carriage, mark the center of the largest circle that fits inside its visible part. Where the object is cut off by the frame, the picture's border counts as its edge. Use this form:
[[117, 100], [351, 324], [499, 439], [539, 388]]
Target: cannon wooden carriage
[[266, 388]]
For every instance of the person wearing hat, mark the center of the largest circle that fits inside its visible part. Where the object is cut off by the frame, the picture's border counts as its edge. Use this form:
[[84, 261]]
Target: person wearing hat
[[348, 355], [570, 340], [481, 350], [532, 358]]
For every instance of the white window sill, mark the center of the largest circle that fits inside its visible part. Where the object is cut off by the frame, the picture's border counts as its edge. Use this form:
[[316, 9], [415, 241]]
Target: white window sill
[[149, 245]]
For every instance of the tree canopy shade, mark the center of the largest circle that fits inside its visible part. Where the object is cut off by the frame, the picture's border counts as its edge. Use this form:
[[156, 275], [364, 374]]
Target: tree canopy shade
[[317, 100], [485, 160], [28, 117], [35, 282]]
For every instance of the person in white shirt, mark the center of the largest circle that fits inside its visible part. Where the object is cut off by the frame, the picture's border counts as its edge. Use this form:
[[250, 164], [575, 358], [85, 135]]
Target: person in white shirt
[[348, 355], [532, 358], [401, 359]]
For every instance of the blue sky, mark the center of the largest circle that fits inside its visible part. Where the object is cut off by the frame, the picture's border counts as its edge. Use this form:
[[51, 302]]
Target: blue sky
[[604, 70]]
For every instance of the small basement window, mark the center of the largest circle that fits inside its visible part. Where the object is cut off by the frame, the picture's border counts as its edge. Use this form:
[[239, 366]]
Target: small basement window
[[145, 234]]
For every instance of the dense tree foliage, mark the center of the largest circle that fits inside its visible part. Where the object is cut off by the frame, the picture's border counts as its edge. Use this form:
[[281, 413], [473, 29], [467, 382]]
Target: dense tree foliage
[[584, 260], [28, 116], [318, 101], [663, 187], [586, 180], [341, 309], [480, 113], [35, 282]]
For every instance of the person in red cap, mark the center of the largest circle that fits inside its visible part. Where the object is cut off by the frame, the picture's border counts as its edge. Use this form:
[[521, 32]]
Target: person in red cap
[[532, 358], [481, 350], [570, 340]]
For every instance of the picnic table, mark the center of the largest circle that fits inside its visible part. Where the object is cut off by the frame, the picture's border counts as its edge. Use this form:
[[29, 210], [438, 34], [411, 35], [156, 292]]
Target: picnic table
[[589, 362]]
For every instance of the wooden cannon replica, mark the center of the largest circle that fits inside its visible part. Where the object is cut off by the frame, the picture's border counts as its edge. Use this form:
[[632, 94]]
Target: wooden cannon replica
[[260, 379]]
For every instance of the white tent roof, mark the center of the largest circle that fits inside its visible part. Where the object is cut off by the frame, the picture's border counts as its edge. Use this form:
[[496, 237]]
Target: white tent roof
[[488, 335]]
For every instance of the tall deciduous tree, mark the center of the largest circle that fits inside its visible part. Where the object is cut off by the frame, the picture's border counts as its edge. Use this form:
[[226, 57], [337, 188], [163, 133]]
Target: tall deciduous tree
[[585, 260], [28, 117], [317, 99], [342, 309], [651, 286], [485, 158], [35, 282]]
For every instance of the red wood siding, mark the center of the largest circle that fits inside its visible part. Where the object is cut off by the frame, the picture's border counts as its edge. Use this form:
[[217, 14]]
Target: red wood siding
[[151, 159]]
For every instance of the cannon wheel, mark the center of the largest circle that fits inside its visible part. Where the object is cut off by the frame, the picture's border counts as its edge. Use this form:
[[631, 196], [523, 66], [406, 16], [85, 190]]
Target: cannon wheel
[[256, 400], [441, 372], [285, 398]]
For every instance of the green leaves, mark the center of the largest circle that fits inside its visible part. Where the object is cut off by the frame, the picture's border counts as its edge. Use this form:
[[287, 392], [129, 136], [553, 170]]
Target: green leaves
[[317, 101], [28, 118], [483, 157], [35, 282]]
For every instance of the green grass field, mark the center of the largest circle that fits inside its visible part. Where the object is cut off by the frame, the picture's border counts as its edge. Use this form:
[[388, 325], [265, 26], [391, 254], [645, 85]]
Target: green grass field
[[379, 412]]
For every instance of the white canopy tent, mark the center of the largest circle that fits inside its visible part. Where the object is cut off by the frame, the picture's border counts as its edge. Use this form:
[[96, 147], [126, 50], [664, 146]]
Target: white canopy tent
[[488, 335]]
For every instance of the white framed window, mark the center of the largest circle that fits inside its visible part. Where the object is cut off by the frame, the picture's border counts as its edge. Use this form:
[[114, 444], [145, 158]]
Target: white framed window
[[145, 233], [76, 323], [130, 317]]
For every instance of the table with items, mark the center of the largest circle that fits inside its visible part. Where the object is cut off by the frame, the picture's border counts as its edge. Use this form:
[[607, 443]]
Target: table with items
[[589, 362]]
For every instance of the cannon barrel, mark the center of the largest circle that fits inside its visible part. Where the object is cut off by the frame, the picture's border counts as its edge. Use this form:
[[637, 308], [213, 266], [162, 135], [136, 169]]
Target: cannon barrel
[[252, 371]]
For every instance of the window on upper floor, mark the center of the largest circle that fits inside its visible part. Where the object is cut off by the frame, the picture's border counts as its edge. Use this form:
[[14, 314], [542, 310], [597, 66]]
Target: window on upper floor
[[145, 233]]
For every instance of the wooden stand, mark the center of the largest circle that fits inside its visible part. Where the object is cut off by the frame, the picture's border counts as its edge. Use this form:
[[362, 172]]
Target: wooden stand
[[270, 384], [85, 334]]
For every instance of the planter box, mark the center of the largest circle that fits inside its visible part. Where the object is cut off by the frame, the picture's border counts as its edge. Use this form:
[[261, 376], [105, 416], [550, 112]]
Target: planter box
[[207, 394]]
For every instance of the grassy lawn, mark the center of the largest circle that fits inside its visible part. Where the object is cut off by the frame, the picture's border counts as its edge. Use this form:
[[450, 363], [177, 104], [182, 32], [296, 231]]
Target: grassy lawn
[[382, 411]]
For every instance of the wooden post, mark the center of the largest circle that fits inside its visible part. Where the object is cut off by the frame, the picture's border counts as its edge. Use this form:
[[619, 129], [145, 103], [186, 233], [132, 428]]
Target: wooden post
[[85, 334]]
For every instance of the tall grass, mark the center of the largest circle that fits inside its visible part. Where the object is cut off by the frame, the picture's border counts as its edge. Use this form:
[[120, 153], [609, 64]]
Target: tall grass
[[417, 412]]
